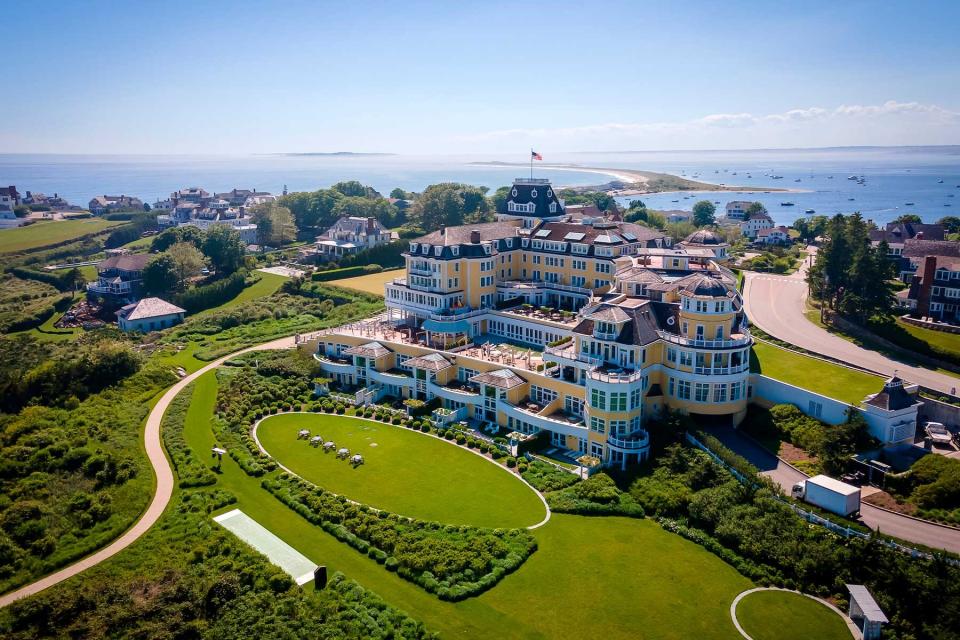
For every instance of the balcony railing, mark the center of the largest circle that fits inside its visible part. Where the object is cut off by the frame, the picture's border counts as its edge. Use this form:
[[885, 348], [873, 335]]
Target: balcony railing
[[457, 314], [634, 441], [568, 352], [615, 376], [722, 371], [122, 288], [543, 284], [746, 340]]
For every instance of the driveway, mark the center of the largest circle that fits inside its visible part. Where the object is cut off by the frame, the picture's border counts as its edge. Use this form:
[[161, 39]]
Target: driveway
[[891, 524], [776, 304]]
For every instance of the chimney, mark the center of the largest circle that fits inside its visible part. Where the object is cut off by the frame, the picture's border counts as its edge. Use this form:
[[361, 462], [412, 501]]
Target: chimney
[[475, 236], [443, 230], [926, 286], [919, 235]]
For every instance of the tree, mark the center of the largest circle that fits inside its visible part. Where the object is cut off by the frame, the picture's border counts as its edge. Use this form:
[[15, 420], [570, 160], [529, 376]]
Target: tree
[[910, 218], [312, 210], [275, 224], [21, 211], [187, 261], [182, 233], [362, 207], [704, 213], [355, 189], [74, 279], [160, 274], [399, 194], [951, 223], [679, 230], [756, 207], [449, 204], [224, 248]]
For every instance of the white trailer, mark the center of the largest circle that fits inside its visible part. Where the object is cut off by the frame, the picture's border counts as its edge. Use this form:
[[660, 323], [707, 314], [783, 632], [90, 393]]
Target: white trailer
[[823, 491]]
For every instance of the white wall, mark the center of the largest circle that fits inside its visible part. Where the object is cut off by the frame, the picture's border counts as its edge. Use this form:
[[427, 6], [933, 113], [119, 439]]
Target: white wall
[[813, 404]]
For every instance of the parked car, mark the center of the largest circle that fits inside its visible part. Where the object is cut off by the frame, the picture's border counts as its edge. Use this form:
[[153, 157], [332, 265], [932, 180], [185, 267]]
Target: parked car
[[938, 433]]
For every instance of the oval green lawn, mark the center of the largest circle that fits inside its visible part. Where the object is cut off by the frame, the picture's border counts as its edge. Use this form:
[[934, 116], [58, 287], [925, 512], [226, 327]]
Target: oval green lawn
[[783, 615], [404, 472]]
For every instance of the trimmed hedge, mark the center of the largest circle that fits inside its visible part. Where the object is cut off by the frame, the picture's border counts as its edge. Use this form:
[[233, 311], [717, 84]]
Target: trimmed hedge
[[213, 294], [453, 562], [190, 471], [57, 280]]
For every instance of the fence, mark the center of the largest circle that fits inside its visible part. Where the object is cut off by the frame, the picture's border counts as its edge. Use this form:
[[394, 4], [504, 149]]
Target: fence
[[817, 519]]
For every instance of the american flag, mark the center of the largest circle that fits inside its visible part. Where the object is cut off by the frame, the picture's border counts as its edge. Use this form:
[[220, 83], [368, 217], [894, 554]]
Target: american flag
[[535, 156]]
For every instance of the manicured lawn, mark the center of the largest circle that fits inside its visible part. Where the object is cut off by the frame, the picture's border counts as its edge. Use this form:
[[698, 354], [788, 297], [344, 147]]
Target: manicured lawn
[[41, 234], [372, 283], [403, 472], [266, 285], [781, 615], [591, 577], [949, 342], [825, 378]]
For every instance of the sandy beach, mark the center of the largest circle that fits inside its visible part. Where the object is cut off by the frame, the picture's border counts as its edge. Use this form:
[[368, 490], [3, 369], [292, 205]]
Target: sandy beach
[[638, 182]]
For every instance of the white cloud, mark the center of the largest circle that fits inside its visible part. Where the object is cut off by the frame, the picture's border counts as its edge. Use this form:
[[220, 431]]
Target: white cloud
[[891, 122]]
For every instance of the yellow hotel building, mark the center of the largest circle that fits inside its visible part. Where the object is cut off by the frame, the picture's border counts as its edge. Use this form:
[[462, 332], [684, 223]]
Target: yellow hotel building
[[543, 321]]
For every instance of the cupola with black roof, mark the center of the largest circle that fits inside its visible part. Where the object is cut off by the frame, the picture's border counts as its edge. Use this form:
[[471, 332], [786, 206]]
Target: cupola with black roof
[[531, 199]]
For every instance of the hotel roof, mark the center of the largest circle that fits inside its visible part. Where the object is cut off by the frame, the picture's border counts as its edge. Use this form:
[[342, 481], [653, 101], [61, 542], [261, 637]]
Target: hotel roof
[[369, 350], [501, 378]]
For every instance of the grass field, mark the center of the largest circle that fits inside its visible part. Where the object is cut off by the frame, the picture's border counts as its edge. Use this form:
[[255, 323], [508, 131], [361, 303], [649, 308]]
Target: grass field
[[596, 577], [41, 234], [403, 472], [825, 378], [781, 615], [949, 342], [266, 285], [372, 283]]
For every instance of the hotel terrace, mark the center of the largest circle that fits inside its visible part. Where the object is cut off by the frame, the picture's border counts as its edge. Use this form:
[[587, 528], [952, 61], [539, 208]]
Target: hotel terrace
[[535, 323]]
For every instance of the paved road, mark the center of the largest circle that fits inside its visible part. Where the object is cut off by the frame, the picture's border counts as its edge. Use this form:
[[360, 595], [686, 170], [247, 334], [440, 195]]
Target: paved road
[[164, 487], [776, 304], [891, 524]]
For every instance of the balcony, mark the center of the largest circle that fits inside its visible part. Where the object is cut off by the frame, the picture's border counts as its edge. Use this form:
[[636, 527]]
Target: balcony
[[558, 422], [742, 339], [722, 371], [393, 377], [615, 374], [566, 354], [456, 392], [103, 287], [332, 364], [631, 443]]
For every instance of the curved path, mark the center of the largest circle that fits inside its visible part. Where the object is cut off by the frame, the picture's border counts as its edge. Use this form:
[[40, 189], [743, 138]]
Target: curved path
[[777, 304], [854, 630], [164, 487]]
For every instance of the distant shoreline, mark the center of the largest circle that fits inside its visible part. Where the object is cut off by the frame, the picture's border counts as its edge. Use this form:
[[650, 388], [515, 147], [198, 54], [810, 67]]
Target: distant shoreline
[[635, 180]]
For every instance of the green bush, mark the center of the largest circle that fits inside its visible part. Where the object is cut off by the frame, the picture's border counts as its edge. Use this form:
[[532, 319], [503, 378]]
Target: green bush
[[598, 495], [545, 477]]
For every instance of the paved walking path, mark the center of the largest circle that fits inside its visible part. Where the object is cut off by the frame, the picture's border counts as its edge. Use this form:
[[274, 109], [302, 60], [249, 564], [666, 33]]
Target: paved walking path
[[776, 304], [164, 486]]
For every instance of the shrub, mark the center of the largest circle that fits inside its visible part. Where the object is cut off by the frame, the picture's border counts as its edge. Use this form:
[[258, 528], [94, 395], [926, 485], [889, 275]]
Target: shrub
[[546, 477]]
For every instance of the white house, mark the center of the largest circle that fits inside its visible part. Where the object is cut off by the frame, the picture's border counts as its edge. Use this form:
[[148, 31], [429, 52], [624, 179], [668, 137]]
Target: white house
[[891, 415], [351, 234], [776, 235], [736, 210], [754, 224], [149, 314]]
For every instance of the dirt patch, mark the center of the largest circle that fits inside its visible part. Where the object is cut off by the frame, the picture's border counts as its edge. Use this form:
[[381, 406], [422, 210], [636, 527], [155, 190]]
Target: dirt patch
[[887, 501], [793, 455]]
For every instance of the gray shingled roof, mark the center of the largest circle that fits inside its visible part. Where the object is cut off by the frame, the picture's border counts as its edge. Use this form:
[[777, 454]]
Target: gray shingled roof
[[501, 378], [431, 362], [149, 308], [369, 350]]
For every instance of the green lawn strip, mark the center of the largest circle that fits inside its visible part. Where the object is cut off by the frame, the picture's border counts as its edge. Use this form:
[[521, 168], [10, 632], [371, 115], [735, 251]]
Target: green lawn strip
[[626, 564], [41, 234], [819, 376], [370, 283], [266, 285], [782, 615], [947, 341], [404, 472]]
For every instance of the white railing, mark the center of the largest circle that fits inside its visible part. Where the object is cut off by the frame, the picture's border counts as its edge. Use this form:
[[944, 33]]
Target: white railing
[[722, 371], [568, 352], [455, 314], [96, 287], [746, 340], [607, 376], [543, 284], [637, 440]]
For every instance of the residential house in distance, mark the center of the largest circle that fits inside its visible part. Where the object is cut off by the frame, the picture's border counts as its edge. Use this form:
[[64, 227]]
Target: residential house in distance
[[194, 206], [592, 212], [119, 278], [55, 202], [149, 314], [195, 195], [100, 205], [241, 197], [676, 215], [915, 250], [754, 224], [896, 234], [9, 198], [736, 210], [934, 290], [349, 235], [636, 328], [777, 235]]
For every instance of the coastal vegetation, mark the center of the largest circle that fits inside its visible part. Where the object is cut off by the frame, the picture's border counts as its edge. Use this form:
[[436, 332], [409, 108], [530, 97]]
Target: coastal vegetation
[[47, 233]]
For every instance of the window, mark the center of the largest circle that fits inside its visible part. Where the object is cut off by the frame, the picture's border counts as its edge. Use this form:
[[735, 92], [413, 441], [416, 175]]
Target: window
[[636, 397], [598, 399], [671, 354], [618, 401], [618, 427], [579, 265], [815, 409], [672, 385], [701, 391], [598, 424], [686, 358], [719, 393], [736, 391], [683, 389], [578, 281], [602, 267], [455, 250]]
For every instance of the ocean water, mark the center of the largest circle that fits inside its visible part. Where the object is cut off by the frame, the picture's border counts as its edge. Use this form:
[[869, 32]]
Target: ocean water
[[895, 176]]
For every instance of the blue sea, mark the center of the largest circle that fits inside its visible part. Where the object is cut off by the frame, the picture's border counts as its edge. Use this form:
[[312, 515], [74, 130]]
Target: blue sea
[[894, 176]]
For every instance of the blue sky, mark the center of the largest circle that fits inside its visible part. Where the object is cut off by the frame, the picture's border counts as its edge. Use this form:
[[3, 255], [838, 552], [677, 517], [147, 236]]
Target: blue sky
[[423, 77]]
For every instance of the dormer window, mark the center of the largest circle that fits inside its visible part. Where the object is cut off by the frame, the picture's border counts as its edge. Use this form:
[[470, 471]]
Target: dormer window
[[533, 193], [426, 249], [553, 207], [437, 251], [509, 243], [513, 192], [455, 250]]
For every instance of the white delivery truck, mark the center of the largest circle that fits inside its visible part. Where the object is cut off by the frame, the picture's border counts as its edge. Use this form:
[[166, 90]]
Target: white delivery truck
[[823, 491]]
